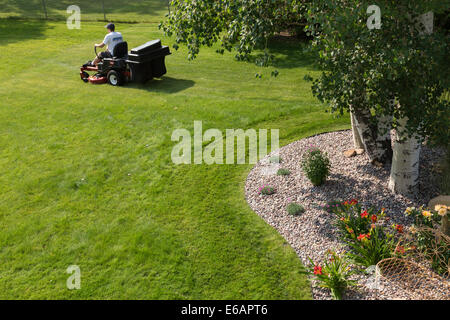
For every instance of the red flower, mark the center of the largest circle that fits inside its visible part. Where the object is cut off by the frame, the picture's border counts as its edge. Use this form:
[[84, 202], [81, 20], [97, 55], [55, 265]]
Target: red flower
[[399, 228], [345, 203], [365, 214], [363, 236], [373, 218], [353, 202], [318, 270], [400, 249]]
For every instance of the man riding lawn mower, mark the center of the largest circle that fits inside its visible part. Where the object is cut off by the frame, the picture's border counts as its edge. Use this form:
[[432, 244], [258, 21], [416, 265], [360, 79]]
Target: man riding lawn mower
[[116, 66]]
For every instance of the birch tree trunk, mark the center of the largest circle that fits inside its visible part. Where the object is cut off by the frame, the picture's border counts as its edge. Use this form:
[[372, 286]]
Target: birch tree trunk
[[357, 140], [377, 146], [404, 175], [384, 140]]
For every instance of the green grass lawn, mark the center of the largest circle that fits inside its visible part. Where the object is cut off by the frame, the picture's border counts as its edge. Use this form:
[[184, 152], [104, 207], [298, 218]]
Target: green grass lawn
[[86, 176], [91, 10]]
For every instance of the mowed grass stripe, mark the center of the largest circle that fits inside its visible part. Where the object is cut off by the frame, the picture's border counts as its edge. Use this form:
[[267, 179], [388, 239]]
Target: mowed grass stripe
[[86, 176]]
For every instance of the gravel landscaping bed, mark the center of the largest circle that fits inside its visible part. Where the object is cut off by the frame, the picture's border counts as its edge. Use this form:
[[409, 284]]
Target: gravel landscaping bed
[[311, 234]]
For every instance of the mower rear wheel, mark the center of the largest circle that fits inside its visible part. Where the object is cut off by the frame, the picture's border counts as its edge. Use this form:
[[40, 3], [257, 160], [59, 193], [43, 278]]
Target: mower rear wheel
[[115, 78]]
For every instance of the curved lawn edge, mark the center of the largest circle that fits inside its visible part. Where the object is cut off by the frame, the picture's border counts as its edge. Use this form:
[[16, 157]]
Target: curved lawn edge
[[312, 233], [138, 226], [279, 241]]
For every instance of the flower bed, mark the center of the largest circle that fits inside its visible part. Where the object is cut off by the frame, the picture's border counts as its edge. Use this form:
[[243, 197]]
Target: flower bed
[[373, 241], [316, 232]]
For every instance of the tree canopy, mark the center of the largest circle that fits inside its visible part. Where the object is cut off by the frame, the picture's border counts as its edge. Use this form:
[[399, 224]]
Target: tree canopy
[[397, 70], [362, 67], [240, 25]]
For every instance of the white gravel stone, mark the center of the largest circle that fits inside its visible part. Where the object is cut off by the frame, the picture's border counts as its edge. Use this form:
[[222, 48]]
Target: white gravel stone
[[312, 233]]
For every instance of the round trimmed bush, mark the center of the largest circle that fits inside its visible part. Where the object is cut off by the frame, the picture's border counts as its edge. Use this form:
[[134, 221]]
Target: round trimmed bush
[[316, 166], [267, 190], [295, 209], [283, 172]]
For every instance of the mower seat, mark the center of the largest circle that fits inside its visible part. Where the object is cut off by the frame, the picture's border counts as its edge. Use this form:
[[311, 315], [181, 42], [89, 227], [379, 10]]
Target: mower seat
[[121, 50]]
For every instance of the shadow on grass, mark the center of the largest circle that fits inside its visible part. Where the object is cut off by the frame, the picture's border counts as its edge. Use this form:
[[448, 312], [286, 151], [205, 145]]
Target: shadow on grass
[[165, 85], [288, 58], [12, 30], [289, 54]]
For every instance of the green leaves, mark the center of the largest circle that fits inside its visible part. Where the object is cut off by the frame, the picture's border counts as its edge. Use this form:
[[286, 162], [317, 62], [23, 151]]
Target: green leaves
[[363, 69], [368, 69], [316, 166], [334, 274], [237, 25]]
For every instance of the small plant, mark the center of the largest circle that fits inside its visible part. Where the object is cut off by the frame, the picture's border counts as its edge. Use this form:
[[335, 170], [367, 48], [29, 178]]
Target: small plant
[[275, 159], [352, 219], [267, 190], [364, 232], [370, 248], [334, 274], [295, 209], [426, 218], [316, 166], [333, 206], [283, 172], [435, 249]]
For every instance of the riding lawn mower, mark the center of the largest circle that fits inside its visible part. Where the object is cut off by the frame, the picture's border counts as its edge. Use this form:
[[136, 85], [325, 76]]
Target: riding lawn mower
[[139, 65]]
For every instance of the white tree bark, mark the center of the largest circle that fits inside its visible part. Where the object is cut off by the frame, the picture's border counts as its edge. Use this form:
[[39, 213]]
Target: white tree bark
[[384, 141], [377, 146], [357, 140], [404, 175]]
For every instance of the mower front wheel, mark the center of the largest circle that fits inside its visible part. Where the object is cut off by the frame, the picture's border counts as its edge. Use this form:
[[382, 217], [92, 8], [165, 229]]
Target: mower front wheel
[[84, 76], [115, 78]]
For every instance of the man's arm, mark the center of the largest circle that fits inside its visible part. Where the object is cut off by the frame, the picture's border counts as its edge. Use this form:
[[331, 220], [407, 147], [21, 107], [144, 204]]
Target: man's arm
[[99, 45]]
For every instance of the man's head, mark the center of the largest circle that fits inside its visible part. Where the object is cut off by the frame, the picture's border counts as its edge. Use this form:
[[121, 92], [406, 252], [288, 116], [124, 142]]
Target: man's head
[[111, 27]]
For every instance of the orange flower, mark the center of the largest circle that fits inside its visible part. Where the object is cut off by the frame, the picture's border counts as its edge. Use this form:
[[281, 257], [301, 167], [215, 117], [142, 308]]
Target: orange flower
[[362, 237], [400, 249], [373, 218], [318, 270], [399, 228]]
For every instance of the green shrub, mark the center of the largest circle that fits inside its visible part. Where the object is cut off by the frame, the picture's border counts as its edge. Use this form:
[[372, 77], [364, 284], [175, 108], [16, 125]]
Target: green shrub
[[334, 274], [364, 233], [295, 209], [333, 206], [283, 172], [315, 165], [267, 190], [353, 220], [370, 248]]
